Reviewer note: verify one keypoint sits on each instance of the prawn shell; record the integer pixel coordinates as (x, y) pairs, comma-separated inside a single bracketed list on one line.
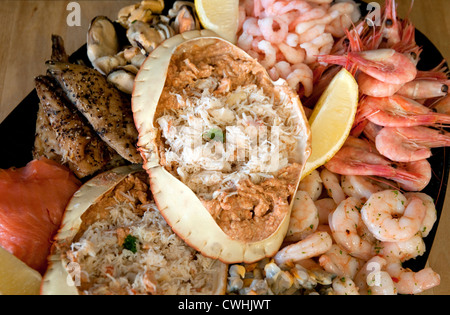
[(55, 280), (178, 204)]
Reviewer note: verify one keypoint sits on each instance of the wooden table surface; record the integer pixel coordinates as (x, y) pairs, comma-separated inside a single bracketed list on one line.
[(27, 27)]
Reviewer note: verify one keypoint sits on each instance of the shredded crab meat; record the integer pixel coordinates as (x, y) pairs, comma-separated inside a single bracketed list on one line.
[(161, 256), (216, 140)]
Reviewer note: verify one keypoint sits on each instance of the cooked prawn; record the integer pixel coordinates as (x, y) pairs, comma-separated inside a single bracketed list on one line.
[(361, 187), (304, 217), (423, 89), (312, 246), (392, 217), (344, 286), (404, 250), (312, 184), (385, 65), (407, 144), (430, 215), (372, 279), (325, 206), (337, 261), (349, 231), (301, 74), (409, 282), (413, 176), (399, 111), (331, 182), (370, 86)]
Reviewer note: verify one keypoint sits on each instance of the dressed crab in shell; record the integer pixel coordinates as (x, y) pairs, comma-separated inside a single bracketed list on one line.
[(231, 209), (145, 27)]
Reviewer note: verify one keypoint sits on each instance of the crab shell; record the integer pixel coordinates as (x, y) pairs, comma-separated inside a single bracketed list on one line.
[(178, 204), (60, 274)]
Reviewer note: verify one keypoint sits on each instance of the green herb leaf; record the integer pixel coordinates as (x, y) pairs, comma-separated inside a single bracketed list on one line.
[(214, 134), (130, 243)]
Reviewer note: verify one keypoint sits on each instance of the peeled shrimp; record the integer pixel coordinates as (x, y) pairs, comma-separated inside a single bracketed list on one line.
[(406, 144), (268, 26), (331, 182), (312, 246), (291, 54), (349, 231), (325, 206), (398, 111), (301, 74), (337, 261), (404, 250), (270, 53), (304, 217), (385, 65), (312, 184), (372, 279), (391, 217), (430, 215), (361, 187), (344, 286), (409, 282)]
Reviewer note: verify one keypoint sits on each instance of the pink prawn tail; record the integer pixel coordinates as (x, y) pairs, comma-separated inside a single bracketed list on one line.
[(336, 60)]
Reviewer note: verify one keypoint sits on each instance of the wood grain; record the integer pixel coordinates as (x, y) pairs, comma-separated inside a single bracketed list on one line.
[(26, 32)]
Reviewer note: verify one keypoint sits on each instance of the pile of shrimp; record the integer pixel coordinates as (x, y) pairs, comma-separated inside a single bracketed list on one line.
[(356, 219), (348, 235), (286, 36)]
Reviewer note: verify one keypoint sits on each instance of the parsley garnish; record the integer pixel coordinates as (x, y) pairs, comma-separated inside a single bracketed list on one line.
[(130, 243)]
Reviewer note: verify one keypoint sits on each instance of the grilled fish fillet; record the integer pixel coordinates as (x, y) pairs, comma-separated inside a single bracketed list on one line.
[(106, 109), (45, 143), (77, 144)]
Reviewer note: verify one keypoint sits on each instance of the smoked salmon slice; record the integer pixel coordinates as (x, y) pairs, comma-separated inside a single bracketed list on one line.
[(32, 202)]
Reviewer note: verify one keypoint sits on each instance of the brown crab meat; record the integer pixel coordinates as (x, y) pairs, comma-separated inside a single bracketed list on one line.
[(223, 144)]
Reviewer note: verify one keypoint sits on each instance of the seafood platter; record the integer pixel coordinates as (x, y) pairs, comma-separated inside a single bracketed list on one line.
[(176, 153)]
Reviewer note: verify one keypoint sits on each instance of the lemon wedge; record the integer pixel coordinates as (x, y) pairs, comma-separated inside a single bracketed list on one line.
[(16, 278), (332, 119), (219, 16)]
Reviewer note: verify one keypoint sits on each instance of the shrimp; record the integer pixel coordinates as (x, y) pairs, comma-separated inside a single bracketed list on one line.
[(270, 53), (391, 26), (291, 54), (312, 184), (413, 176), (407, 144), (325, 206), (391, 217), (314, 245), (399, 111), (403, 251), (331, 182), (373, 280), (430, 215), (370, 86), (349, 231), (337, 261), (304, 217), (344, 286), (409, 282), (273, 29), (423, 89), (385, 65), (361, 187), (301, 74)]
